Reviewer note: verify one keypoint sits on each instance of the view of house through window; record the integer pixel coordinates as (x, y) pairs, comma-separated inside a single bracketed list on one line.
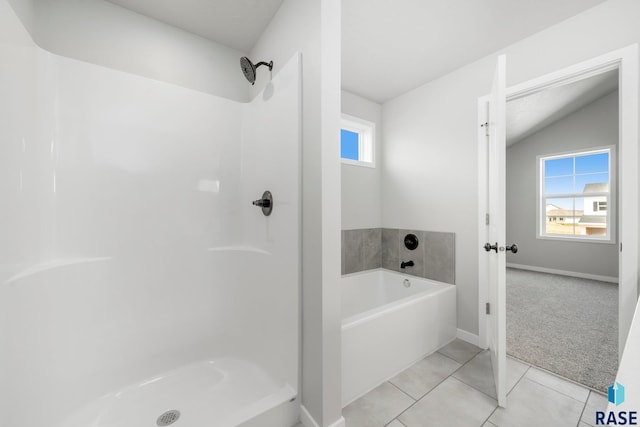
[(575, 194)]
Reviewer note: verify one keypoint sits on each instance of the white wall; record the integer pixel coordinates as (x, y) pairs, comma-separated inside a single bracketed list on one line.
[(123, 196), (106, 34), (594, 125), (361, 201), (430, 150), (312, 27)]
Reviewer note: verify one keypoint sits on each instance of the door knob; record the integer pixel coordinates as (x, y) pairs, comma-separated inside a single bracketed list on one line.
[(513, 248), (489, 247)]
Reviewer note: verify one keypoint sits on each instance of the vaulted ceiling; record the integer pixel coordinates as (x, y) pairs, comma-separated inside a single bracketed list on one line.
[(391, 47), (234, 23), (388, 47), (528, 115)]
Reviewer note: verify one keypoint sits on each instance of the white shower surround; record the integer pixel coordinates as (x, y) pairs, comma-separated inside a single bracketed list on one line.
[(388, 326), (131, 249)]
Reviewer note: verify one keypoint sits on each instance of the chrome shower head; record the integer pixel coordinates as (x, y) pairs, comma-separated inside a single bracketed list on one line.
[(249, 69)]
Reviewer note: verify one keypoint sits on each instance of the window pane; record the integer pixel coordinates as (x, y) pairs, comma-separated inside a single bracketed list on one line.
[(592, 163), (592, 183), (558, 185), (558, 167), (348, 144), (560, 216), (592, 222), (586, 177)]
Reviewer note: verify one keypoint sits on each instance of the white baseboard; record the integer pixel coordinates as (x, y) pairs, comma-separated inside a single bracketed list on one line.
[(564, 273), (307, 420), (468, 337)]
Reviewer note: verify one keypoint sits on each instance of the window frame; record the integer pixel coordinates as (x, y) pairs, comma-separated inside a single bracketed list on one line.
[(366, 131), (611, 236)]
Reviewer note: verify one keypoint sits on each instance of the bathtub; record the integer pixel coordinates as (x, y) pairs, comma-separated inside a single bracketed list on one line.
[(390, 321)]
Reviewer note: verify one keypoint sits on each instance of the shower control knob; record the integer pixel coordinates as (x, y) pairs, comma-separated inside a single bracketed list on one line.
[(263, 203), (266, 203)]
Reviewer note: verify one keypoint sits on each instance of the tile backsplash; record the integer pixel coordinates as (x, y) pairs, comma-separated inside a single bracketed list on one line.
[(370, 248), (361, 250)]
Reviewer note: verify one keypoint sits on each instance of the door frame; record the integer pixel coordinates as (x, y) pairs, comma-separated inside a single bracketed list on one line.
[(625, 60)]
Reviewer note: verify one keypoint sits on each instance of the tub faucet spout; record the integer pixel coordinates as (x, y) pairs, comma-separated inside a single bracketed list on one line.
[(406, 264)]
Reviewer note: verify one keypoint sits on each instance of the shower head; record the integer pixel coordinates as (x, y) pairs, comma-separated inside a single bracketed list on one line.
[(249, 69)]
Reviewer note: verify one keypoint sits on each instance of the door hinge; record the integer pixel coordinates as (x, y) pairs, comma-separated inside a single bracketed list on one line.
[(620, 246), (486, 219), (487, 308), (485, 125)]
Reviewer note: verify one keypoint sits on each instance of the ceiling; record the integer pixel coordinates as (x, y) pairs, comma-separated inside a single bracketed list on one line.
[(388, 47), (391, 47), (234, 23), (529, 114)]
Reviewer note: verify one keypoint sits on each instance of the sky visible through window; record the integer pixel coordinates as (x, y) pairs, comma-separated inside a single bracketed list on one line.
[(570, 175), (348, 144)]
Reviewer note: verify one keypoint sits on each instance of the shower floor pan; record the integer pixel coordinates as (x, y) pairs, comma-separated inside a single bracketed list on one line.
[(221, 392)]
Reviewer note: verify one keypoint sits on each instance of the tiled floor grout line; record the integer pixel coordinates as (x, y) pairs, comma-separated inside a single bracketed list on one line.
[(509, 392), (461, 364), (564, 394), (490, 415), (519, 379), (487, 421), (418, 400), (557, 375), (395, 419), (454, 372), (589, 389), (434, 387), (584, 408), (475, 388), (404, 392)]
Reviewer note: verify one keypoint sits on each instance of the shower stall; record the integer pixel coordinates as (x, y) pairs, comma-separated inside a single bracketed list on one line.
[(138, 283)]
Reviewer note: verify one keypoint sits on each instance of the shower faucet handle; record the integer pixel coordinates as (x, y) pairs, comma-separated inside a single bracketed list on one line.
[(266, 203), (263, 203)]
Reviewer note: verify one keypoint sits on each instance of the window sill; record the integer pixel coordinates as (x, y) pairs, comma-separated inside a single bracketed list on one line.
[(358, 163), (577, 239)]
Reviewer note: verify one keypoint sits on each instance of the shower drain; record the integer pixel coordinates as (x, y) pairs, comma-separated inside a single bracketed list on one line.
[(168, 418)]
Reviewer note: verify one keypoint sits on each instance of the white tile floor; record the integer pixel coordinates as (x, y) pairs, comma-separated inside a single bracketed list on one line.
[(454, 387)]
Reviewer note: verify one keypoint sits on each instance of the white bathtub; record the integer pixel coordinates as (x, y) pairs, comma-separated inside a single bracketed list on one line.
[(387, 326)]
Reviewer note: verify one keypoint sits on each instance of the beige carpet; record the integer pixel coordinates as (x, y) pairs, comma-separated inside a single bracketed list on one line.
[(565, 325)]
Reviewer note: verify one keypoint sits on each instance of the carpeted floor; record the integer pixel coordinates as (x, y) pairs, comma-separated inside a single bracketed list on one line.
[(565, 325)]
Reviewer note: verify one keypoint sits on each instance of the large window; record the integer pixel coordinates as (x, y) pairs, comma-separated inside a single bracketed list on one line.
[(576, 195), (357, 141)]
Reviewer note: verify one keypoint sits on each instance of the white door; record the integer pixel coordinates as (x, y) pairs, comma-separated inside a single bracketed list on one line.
[(495, 231)]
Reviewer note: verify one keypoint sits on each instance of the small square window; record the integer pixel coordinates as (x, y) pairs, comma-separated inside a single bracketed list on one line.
[(357, 141), (349, 144)]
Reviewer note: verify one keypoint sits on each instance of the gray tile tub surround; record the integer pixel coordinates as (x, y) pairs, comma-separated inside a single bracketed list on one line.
[(390, 249), (361, 250), (434, 258)]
